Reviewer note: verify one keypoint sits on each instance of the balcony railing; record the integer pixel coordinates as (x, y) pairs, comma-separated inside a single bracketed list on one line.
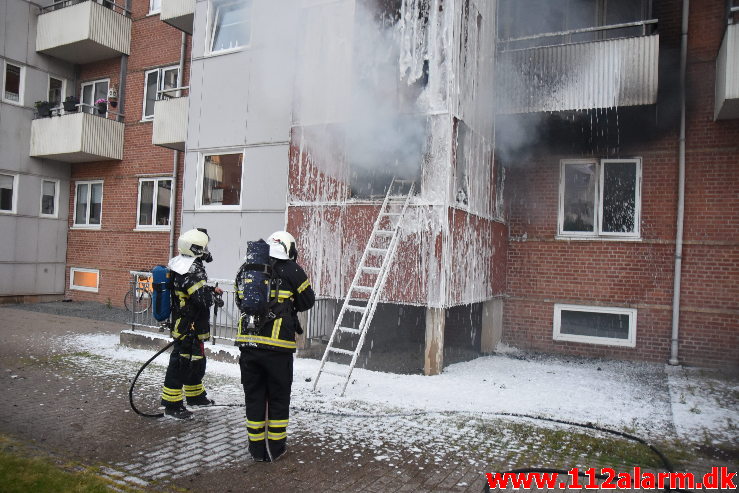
[(559, 75), (178, 13), (727, 71), (84, 31), (78, 137), (170, 118)]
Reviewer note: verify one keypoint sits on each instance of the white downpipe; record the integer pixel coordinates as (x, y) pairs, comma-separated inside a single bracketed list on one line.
[(680, 191)]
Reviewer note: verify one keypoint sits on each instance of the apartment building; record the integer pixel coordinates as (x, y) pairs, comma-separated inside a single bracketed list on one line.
[(33, 192), (556, 208), (589, 131), (116, 192)]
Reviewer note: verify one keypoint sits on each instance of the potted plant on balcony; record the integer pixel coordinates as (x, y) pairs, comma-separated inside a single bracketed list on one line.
[(70, 104), (102, 106), (43, 108)]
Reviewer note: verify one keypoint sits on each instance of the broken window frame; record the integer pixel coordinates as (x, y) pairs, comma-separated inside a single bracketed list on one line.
[(13, 193), (558, 335), (11, 97), (598, 201)]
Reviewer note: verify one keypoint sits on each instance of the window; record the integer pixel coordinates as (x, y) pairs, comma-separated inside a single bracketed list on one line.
[(221, 184), (91, 92), (155, 201), (56, 91), (84, 279), (49, 198), (595, 325), (155, 6), (13, 83), (156, 80), (600, 198), (8, 195), (231, 25), (88, 204)]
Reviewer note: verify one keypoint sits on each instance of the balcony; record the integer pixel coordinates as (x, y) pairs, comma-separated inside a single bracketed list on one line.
[(178, 13), (83, 31), (603, 73), (78, 137), (170, 119), (727, 75)]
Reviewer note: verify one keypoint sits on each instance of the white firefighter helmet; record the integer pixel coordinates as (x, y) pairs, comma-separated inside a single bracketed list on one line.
[(282, 246), (193, 243)]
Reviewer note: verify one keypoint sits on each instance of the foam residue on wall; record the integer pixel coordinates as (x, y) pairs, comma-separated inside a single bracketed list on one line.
[(387, 114)]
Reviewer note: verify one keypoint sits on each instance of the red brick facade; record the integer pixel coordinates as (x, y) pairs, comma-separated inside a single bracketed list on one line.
[(116, 248), (544, 270)]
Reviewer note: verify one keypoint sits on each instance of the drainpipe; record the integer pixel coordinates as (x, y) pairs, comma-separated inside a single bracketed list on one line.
[(123, 75), (680, 191), (176, 158)]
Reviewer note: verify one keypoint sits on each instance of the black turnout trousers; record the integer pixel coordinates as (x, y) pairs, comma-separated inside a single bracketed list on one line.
[(267, 377)]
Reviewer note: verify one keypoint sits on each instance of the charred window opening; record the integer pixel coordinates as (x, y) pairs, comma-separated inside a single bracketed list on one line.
[(378, 152), (461, 189), (600, 198), (522, 18)]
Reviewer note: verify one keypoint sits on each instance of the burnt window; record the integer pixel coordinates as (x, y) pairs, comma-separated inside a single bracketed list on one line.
[(600, 198)]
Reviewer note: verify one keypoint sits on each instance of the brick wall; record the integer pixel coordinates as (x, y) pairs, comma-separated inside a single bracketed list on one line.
[(117, 248), (543, 270)]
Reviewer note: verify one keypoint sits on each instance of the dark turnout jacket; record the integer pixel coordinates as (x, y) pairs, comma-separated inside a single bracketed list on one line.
[(194, 299), (290, 293)]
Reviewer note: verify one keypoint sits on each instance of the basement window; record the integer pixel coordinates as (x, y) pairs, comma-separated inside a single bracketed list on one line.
[(155, 203), (84, 279), (600, 198), (595, 325), (231, 25)]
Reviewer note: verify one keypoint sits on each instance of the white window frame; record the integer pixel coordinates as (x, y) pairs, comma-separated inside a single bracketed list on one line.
[(213, 6), (603, 341), (201, 175), (152, 10), (21, 86), (154, 227), (92, 83), (64, 87), (72, 270), (87, 224), (160, 80), (56, 199), (14, 205), (598, 232)]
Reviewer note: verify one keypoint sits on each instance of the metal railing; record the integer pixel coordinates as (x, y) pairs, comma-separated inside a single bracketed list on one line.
[(61, 4), (86, 108), (584, 30), (224, 327), (172, 93)]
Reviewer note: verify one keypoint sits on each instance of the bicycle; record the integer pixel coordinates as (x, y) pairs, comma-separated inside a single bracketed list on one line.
[(139, 296)]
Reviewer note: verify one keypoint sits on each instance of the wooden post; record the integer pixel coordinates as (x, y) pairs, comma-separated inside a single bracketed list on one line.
[(434, 354), (492, 325)]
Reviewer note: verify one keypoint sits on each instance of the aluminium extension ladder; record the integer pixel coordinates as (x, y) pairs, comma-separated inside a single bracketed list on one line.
[(386, 229)]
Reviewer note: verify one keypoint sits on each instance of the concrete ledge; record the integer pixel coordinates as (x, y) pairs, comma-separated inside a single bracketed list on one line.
[(16, 299), (141, 339)]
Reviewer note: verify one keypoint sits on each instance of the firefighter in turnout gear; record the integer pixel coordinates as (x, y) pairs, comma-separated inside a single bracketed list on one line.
[(267, 345), (191, 327)]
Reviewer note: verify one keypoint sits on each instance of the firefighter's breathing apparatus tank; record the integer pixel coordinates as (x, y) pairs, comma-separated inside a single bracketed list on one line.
[(161, 300)]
